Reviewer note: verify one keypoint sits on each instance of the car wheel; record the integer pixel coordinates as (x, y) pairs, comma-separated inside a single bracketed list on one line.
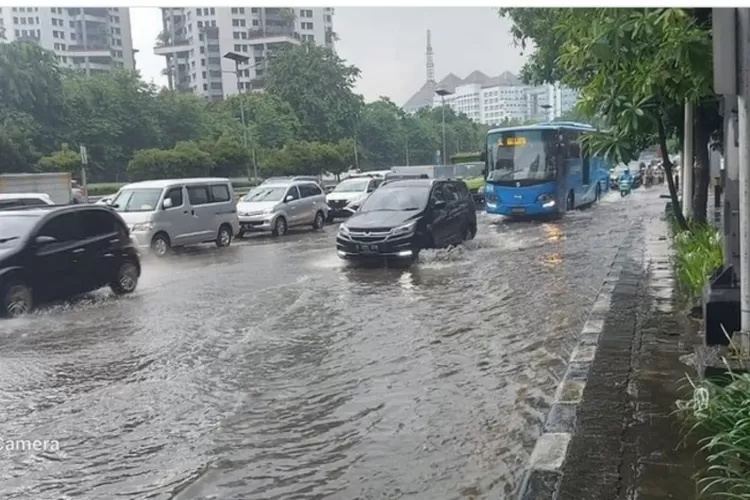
[(319, 221), (160, 245), (224, 238), (280, 228), (17, 300), (127, 279)]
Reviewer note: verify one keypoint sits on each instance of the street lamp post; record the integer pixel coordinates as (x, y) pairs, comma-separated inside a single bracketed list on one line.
[(442, 93), (240, 59)]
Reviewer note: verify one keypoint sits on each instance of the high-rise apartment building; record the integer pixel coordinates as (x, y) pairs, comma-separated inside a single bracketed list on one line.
[(85, 38), (194, 41)]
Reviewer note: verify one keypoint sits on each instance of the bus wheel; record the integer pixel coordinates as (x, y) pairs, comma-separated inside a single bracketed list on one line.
[(571, 201)]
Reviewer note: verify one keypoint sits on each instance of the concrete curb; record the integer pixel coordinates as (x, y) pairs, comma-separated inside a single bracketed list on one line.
[(544, 469)]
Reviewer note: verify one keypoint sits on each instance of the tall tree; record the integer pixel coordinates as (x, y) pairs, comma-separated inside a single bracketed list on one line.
[(633, 67), (319, 87)]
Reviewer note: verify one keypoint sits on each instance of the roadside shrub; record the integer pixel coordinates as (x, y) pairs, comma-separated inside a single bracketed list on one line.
[(720, 417), (698, 253)]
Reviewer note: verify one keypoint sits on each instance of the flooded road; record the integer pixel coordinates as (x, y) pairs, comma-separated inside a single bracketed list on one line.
[(272, 370)]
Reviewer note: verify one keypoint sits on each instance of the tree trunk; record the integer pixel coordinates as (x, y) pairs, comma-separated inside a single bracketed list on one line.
[(702, 172), (676, 207)]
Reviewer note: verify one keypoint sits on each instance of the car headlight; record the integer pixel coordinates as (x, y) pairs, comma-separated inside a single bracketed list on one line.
[(143, 226), (491, 197), (344, 230), (405, 229), (267, 211)]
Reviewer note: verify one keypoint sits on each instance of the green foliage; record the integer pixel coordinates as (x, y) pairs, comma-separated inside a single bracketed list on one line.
[(318, 85), (698, 253), (64, 160), (308, 121), (719, 416)]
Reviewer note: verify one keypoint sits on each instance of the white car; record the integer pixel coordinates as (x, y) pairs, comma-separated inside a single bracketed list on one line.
[(14, 200), (349, 194)]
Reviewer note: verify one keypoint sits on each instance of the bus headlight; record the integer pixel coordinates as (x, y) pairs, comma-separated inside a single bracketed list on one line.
[(491, 197), (547, 200)]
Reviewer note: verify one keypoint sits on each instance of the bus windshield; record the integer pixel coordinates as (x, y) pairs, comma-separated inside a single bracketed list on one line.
[(521, 155)]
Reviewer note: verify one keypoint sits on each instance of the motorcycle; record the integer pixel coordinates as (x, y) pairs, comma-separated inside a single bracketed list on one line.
[(625, 187)]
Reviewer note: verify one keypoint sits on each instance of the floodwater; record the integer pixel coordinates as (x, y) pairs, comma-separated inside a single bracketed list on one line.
[(272, 370)]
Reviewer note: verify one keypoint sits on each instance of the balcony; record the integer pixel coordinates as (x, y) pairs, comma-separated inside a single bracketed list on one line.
[(273, 34), (166, 49), (91, 50)]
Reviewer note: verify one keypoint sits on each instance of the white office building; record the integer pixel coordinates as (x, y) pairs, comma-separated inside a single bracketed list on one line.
[(194, 41), (88, 39), (494, 100)]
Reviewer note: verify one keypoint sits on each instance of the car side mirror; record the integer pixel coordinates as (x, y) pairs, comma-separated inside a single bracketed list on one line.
[(483, 156), (371, 189), (44, 240), (288, 198), (167, 203), (439, 204)]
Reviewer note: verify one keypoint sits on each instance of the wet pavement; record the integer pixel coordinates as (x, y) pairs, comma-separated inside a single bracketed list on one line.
[(272, 370)]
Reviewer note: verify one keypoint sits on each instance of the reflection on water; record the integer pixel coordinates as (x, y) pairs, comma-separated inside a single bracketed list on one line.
[(276, 371)]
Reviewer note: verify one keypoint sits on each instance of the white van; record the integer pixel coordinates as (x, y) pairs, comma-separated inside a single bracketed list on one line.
[(170, 213)]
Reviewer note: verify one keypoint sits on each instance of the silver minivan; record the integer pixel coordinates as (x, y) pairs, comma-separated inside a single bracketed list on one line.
[(279, 205), (164, 214)]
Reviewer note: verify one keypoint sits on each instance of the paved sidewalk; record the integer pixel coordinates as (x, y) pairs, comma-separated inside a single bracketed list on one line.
[(627, 441)]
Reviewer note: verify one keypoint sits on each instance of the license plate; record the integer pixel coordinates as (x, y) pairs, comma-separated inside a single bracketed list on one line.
[(518, 210), (368, 248)]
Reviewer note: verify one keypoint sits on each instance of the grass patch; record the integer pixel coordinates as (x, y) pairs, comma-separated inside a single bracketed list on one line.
[(720, 418), (698, 252)]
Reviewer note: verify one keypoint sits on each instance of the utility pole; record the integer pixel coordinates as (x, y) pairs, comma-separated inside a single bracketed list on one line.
[(687, 163), (84, 161), (743, 108)]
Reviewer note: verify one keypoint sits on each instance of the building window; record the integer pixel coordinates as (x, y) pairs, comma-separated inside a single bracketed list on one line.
[(213, 11), (255, 10), (255, 22), (23, 20), (18, 34), (199, 12), (205, 86), (244, 48), (203, 62), (328, 18), (72, 36), (242, 10), (234, 10), (237, 48), (205, 12), (236, 35), (203, 74), (244, 35), (213, 24), (202, 49), (307, 26), (235, 22), (15, 20), (200, 24)]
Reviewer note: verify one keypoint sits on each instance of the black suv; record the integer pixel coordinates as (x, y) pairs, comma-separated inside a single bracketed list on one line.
[(404, 216), (57, 252)]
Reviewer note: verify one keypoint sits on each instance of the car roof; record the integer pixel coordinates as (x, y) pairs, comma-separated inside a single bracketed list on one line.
[(16, 196), (410, 183), (42, 210), (163, 183)]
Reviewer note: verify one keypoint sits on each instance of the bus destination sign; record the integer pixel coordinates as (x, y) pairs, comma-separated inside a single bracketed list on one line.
[(512, 141)]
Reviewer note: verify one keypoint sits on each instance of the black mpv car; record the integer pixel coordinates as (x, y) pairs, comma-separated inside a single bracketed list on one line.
[(404, 216), (57, 252)]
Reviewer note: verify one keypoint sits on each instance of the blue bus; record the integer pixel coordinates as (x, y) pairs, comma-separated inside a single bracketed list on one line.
[(541, 169)]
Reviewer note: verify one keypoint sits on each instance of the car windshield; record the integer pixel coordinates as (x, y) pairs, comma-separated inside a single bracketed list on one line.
[(351, 186), (521, 155), (14, 227), (267, 193), (397, 198), (137, 200)]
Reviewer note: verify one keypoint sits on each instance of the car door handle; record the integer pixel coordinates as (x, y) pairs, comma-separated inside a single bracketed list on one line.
[(78, 250)]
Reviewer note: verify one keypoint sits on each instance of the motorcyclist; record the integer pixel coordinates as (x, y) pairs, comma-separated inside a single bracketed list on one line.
[(650, 175), (626, 176)]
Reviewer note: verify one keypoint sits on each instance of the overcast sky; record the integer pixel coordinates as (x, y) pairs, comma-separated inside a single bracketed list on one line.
[(387, 44)]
